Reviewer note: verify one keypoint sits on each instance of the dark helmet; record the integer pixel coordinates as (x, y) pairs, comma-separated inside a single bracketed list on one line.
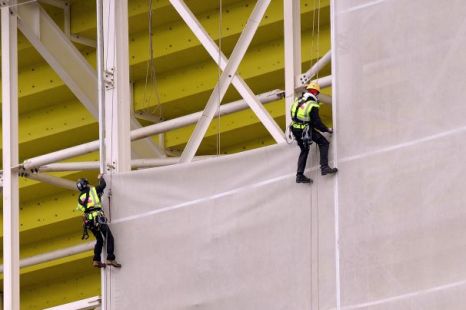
[(81, 184)]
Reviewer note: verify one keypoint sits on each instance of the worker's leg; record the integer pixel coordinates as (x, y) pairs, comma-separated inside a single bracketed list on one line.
[(106, 232), (110, 242), (323, 144), (297, 133), (323, 149), (99, 244)]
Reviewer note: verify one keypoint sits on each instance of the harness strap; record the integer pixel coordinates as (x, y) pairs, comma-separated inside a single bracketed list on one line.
[(295, 116)]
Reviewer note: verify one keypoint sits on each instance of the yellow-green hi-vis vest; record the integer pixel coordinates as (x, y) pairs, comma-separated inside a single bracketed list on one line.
[(303, 116), (93, 203)]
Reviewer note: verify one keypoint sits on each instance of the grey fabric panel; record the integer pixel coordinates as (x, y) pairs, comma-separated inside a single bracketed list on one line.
[(250, 239), (400, 75)]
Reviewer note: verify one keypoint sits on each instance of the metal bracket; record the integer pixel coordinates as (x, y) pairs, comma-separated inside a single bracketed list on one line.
[(303, 79), (108, 79), (111, 166)]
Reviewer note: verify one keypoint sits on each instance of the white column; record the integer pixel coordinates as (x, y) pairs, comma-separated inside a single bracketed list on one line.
[(292, 32), (117, 86), (10, 158), (225, 80)]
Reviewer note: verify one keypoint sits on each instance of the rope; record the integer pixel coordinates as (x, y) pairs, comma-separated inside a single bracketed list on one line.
[(151, 78), (315, 41), (318, 35), (219, 72), (313, 32)]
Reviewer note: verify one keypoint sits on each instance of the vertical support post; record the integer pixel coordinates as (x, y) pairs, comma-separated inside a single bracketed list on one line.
[(336, 198), (10, 157), (117, 85), (102, 123), (100, 84), (292, 32), (114, 81)]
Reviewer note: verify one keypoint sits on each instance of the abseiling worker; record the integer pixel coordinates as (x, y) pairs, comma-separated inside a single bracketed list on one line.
[(305, 126), (94, 219)]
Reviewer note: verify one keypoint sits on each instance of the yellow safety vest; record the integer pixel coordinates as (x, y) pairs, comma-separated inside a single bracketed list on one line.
[(303, 115), (93, 203)]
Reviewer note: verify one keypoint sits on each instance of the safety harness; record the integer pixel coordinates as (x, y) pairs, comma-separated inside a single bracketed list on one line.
[(93, 217), (306, 135)]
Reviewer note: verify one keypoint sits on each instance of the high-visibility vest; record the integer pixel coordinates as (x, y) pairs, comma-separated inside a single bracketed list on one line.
[(93, 207), (302, 116)]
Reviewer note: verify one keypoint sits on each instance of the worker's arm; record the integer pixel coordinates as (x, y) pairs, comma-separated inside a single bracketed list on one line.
[(101, 186), (316, 122)]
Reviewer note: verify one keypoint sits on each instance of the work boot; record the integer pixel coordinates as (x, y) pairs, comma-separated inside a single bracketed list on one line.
[(113, 263), (301, 178), (327, 170), (98, 264)]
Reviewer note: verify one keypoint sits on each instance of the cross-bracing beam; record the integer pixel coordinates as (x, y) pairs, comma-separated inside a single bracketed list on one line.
[(224, 81), (221, 60), (159, 128), (60, 53)]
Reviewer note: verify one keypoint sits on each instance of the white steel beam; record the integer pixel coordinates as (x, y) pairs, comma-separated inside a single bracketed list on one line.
[(309, 74), (94, 165), (60, 53), (146, 131), (50, 179), (155, 129), (292, 33), (47, 257), (100, 86), (244, 90), (225, 79), (117, 84), (10, 157), (325, 98), (84, 304)]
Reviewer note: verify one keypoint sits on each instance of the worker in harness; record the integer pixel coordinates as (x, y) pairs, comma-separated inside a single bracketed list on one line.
[(305, 127), (94, 219)]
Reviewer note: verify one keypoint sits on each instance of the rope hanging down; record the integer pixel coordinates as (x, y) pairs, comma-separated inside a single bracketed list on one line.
[(219, 71), (315, 34), (151, 85)]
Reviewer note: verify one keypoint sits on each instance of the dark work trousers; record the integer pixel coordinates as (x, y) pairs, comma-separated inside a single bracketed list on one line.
[(101, 233), (318, 138)]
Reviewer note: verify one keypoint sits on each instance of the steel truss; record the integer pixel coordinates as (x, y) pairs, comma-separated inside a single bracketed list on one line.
[(106, 94)]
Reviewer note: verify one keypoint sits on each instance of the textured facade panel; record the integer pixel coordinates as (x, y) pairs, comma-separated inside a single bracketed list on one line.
[(234, 233), (401, 133)]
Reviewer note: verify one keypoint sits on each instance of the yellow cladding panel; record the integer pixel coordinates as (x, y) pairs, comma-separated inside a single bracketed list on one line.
[(63, 283)]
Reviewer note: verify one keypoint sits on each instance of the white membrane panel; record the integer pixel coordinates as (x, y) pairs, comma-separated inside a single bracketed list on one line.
[(234, 232), (400, 69)]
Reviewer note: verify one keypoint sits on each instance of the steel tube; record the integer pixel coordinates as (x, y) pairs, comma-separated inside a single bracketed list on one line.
[(158, 128), (43, 258)]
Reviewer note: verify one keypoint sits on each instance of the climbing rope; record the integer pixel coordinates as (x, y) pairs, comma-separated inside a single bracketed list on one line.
[(151, 85), (315, 34), (318, 35), (219, 73)]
